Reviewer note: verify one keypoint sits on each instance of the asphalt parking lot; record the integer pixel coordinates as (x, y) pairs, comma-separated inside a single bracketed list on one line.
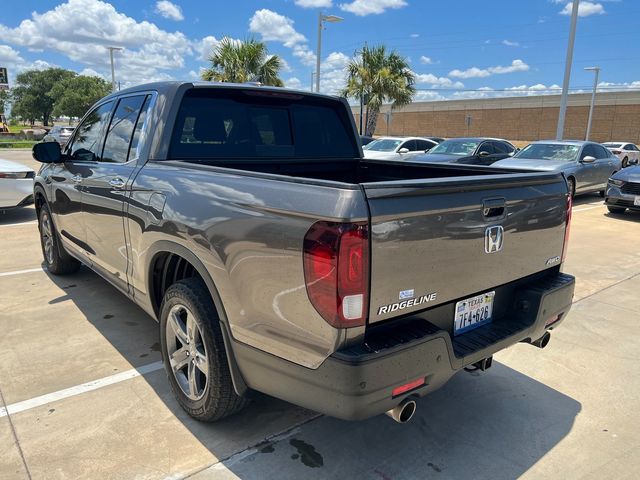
[(84, 394)]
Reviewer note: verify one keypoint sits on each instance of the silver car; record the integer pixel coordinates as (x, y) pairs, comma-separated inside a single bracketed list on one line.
[(60, 134), (623, 190), (586, 165)]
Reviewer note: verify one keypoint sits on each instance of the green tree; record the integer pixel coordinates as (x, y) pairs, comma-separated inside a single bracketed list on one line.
[(239, 62), (4, 100), (30, 95), (74, 95), (378, 76)]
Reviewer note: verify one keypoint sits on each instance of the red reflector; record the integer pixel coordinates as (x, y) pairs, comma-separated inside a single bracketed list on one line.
[(407, 386), (552, 320), (567, 227)]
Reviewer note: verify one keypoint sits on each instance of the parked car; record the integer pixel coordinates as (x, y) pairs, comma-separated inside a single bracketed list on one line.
[(436, 139), (627, 152), (276, 259), (60, 134), (16, 185), (397, 148), (586, 165), (365, 140), (623, 190), (471, 151)]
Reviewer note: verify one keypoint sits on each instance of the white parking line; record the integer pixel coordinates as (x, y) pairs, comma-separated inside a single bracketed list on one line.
[(78, 389), (587, 208), (20, 272), (18, 224)]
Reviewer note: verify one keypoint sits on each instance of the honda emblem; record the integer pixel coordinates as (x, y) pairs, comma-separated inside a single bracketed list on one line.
[(493, 239)]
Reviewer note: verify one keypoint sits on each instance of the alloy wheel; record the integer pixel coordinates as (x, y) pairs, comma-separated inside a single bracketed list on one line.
[(46, 232), (187, 352)]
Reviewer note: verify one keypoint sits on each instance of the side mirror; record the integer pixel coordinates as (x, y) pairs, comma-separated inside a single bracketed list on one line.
[(483, 154), (511, 154), (588, 159), (403, 150), (47, 152)]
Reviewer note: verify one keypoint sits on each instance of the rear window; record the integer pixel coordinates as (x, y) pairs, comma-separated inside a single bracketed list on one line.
[(249, 124)]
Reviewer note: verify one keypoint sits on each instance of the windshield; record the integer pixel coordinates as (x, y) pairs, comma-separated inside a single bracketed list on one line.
[(383, 145), (549, 151), (612, 145), (455, 147)]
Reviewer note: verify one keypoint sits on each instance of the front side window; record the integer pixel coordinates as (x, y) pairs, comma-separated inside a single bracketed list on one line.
[(120, 132), (383, 145), (87, 141)]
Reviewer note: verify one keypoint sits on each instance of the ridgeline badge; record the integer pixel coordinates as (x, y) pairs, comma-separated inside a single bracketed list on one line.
[(393, 307)]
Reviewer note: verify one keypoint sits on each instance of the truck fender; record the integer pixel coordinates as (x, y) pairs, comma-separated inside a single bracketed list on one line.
[(165, 246)]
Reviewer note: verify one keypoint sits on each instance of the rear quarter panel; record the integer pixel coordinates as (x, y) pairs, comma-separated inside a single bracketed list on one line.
[(248, 232)]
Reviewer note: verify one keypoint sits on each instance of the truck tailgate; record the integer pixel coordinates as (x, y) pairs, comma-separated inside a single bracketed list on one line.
[(436, 241)]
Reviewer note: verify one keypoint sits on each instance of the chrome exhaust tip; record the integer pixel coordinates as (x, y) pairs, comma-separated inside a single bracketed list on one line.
[(403, 412), (543, 341)]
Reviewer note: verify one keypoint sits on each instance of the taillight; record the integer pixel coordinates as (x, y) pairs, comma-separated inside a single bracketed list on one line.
[(336, 271), (567, 226), (617, 152), (16, 174)]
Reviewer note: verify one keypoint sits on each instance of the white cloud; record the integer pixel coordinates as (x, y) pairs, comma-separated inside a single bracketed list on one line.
[(426, 60), (335, 60), (584, 9), (81, 30), (434, 81), (205, 46), (475, 72), (369, 7), (169, 10), (275, 27), (509, 43), (314, 3), (272, 26), (90, 72), (293, 82), (9, 56)]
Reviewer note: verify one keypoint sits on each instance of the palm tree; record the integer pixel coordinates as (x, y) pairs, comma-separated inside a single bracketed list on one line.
[(378, 76), (239, 62)]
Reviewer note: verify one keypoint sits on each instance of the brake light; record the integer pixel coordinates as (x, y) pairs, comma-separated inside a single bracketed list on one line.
[(336, 271), (567, 226), (617, 152)]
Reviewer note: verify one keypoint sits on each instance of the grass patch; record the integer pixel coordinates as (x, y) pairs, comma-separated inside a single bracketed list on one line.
[(17, 144)]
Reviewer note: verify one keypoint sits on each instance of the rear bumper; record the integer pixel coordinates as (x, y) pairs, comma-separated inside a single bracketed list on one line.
[(15, 192), (356, 383)]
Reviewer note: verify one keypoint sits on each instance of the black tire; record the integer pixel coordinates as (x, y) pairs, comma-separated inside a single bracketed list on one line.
[(56, 258), (218, 399), (601, 193), (571, 183), (616, 209), (625, 162)]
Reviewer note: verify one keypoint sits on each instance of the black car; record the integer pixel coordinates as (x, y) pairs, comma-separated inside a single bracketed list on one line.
[(474, 151)]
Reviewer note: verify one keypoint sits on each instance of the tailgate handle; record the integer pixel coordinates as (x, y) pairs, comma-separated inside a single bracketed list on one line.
[(493, 207)]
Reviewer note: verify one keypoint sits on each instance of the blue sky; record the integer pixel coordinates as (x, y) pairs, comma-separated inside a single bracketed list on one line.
[(458, 48)]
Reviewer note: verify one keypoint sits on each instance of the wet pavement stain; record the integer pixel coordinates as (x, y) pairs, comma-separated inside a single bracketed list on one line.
[(308, 454), (108, 316), (131, 324), (155, 347), (434, 466), (142, 355), (69, 286), (266, 447), (295, 456)]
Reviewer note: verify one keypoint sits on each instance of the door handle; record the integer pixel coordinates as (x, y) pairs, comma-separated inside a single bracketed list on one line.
[(77, 178), (116, 182)]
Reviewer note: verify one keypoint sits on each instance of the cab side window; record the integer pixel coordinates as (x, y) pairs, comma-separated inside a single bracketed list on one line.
[(88, 138), (486, 147), (588, 151), (121, 128)]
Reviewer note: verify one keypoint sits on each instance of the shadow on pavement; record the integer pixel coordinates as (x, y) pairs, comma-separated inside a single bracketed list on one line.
[(491, 425), (629, 216), (494, 425), (17, 215)]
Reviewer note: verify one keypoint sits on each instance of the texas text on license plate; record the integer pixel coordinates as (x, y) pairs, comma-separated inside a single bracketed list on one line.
[(473, 312)]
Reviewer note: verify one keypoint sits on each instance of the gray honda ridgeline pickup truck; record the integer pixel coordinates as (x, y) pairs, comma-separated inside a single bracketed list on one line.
[(276, 259)]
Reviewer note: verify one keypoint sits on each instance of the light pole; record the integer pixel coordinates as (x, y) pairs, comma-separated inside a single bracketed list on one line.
[(321, 19), (593, 98), (113, 70), (567, 70)]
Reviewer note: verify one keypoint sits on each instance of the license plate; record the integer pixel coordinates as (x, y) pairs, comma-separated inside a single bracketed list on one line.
[(473, 312), (636, 201)]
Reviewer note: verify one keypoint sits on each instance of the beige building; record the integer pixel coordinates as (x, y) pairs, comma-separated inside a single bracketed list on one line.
[(616, 117)]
